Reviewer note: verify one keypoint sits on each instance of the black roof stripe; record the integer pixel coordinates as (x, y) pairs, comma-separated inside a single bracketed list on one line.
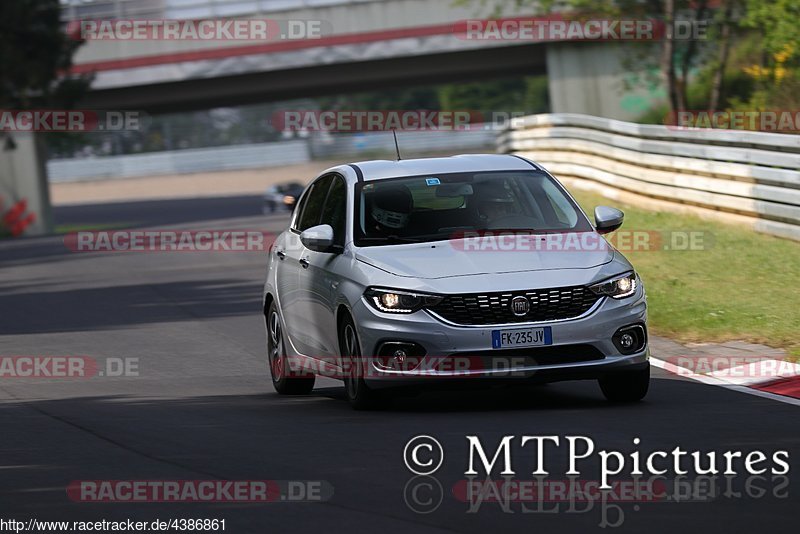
[(359, 174)]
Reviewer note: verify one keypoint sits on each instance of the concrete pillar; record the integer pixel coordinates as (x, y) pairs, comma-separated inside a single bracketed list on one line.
[(23, 175), (589, 77)]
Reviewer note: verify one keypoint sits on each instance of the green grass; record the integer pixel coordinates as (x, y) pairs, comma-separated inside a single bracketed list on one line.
[(744, 286)]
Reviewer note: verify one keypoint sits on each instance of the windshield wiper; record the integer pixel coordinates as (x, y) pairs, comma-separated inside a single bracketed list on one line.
[(495, 231)]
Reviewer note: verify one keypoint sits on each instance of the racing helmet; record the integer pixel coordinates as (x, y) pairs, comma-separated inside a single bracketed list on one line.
[(392, 206)]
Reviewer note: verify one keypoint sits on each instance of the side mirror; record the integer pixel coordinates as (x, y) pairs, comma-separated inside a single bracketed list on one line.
[(318, 238), (607, 219)]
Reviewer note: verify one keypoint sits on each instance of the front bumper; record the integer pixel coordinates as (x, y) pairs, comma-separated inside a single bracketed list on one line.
[(445, 344)]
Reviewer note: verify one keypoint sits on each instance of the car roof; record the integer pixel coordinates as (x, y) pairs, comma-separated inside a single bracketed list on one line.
[(383, 169)]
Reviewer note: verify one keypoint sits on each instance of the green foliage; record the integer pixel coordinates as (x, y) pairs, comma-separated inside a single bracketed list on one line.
[(528, 95), (34, 51), (34, 55), (421, 97), (716, 293), (776, 21)]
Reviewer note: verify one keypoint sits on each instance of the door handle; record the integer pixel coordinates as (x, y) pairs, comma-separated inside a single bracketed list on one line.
[(281, 254), (304, 263)]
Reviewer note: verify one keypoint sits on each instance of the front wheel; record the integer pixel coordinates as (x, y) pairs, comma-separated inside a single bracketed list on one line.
[(284, 380), (360, 396), (626, 386)]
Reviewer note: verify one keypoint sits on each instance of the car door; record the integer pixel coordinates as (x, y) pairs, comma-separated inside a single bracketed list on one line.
[(293, 289), (319, 281)]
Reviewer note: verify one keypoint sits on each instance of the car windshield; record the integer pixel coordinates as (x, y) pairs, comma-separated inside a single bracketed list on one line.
[(438, 207)]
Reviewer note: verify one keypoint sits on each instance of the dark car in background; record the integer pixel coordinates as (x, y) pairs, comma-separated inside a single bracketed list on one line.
[(282, 197)]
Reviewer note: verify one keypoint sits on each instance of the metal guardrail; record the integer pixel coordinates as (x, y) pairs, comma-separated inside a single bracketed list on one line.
[(367, 145), (752, 177)]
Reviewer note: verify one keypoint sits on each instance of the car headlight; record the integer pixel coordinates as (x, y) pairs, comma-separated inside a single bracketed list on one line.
[(396, 301), (618, 287)]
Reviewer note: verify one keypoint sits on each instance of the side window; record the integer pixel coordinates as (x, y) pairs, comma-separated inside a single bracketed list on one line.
[(335, 210), (312, 205), (298, 211)]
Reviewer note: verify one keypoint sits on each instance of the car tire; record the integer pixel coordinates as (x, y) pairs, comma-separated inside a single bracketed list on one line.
[(358, 393), (284, 380), (626, 386)]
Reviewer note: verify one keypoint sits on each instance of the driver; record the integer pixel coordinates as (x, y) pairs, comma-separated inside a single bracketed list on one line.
[(391, 208), (494, 201)]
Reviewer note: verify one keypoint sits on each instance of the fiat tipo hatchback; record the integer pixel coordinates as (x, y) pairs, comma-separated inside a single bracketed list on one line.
[(472, 269)]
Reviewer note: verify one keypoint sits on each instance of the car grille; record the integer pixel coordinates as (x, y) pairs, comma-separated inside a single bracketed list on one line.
[(495, 308)]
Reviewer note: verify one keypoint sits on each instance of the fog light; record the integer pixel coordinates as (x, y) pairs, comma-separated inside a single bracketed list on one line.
[(630, 339), (398, 356), (626, 341)]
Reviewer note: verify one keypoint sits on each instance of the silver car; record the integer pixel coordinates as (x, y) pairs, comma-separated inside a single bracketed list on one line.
[(465, 270)]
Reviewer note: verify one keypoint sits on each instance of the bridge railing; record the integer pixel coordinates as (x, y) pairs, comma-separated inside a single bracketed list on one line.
[(184, 9), (739, 176)]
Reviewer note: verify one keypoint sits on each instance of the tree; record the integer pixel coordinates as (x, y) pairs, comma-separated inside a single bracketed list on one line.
[(678, 56), (35, 55), (726, 24), (777, 72)]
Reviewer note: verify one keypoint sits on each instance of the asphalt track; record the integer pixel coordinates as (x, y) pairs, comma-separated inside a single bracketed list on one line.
[(202, 407)]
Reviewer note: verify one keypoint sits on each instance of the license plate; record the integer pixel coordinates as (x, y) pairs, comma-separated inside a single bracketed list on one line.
[(526, 337)]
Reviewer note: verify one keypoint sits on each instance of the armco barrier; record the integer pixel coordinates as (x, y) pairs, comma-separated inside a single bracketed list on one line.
[(747, 177)]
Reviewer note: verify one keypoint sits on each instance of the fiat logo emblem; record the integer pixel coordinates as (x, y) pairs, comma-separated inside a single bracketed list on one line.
[(520, 306)]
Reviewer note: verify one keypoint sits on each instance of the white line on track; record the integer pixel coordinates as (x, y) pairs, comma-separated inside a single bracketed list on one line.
[(710, 380)]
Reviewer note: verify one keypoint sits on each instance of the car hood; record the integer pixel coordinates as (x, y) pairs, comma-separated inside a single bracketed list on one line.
[(445, 259)]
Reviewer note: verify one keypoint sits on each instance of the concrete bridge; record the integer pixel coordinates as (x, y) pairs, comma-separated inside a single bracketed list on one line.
[(363, 45)]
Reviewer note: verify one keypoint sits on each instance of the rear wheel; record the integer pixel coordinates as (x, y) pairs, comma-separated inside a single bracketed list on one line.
[(626, 386), (360, 396), (284, 380)]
